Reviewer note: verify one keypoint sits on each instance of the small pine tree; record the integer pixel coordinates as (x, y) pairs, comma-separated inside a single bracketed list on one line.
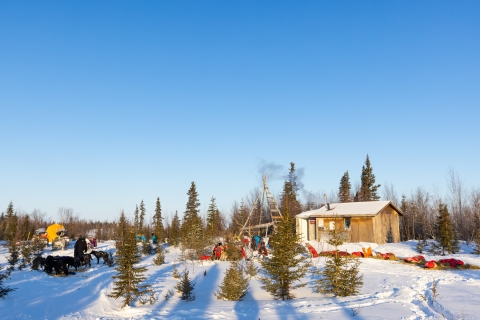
[(128, 279), (345, 188), (158, 229), (26, 252), (185, 287), (175, 230), (192, 226), (38, 245), (213, 217), (445, 230), (340, 276), (251, 269), (141, 218), (175, 272), (146, 248), (4, 290), (477, 243), (284, 268), (160, 256), (234, 285), (420, 246), (390, 238), (11, 236)]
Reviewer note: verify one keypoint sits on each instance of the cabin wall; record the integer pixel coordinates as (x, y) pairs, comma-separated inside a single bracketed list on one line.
[(386, 219), (362, 229)]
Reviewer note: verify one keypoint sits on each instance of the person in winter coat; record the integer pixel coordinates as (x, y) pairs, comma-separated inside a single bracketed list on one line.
[(154, 239), (312, 251), (262, 250), (143, 238), (256, 242), (218, 251)]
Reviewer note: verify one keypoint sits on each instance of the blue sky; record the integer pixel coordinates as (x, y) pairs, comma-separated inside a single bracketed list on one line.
[(104, 104)]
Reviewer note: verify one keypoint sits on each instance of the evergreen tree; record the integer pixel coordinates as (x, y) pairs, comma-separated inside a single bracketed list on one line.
[(345, 188), (185, 287), (445, 230), (235, 283), (141, 219), (122, 227), (158, 230), (390, 238), (368, 188), (136, 221), (11, 237), (284, 268), (239, 217), (289, 195), (26, 251), (160, 256), (477, 243), (175, 230), (192, 226), (340, 276), (128, 278), (213, 218), (4, 290)]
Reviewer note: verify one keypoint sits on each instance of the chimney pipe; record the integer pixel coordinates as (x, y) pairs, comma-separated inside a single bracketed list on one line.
[(328, 206)]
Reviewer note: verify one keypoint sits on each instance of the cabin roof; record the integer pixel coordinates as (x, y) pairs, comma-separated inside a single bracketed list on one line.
[(350, 209)]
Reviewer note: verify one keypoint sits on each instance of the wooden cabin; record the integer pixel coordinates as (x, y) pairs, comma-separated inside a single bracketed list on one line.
[(369, 221)]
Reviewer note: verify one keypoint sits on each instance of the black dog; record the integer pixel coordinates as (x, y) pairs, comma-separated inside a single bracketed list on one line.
[(69, 261), (38, 262), (57, 264), (83, 260), (100, 254)]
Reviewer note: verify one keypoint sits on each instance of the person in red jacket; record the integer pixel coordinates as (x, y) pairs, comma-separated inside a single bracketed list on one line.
[(312, 251)]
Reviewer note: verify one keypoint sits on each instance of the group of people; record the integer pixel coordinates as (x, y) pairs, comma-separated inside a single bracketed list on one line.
[(141, 237)]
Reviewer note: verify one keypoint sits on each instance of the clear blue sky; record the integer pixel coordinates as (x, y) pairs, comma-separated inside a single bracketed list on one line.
[(106, 103)]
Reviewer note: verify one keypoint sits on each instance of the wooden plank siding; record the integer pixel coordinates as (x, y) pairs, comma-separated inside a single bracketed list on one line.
[(386, 219)]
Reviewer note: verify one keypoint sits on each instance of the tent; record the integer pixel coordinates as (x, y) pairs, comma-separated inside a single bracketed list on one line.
[(52, 231)]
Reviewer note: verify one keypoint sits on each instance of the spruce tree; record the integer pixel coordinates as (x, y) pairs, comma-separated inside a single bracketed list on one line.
[(136, 220), (368, 188), (158, 229), (185, 287), (345, 188), (477, 243), (445, 230), (141, 219), (11, 237), (213, 217), (192, 225), (340, 276), (284, 268), (289, 195), (4, 290), (160, 256), (127, 284), (235, 283), (175, 230)]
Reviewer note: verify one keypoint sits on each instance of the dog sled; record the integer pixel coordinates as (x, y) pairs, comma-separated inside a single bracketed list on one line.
[(57, 235)]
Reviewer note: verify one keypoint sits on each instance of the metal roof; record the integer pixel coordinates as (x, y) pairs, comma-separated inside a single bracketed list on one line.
[(350, 209)]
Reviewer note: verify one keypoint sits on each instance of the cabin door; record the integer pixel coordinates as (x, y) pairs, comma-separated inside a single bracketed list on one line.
[(311, 229)]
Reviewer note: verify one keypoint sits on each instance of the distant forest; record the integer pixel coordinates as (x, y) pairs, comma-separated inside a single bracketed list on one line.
[(421, 209)]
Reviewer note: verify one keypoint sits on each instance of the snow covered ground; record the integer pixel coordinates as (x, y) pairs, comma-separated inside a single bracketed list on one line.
[(392, 290)]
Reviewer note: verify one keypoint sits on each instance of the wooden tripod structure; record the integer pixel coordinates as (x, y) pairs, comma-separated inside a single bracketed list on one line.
[(275, 214)]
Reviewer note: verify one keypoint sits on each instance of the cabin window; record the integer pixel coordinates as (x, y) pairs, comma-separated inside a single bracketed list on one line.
[(347, 223), (332, 225)]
